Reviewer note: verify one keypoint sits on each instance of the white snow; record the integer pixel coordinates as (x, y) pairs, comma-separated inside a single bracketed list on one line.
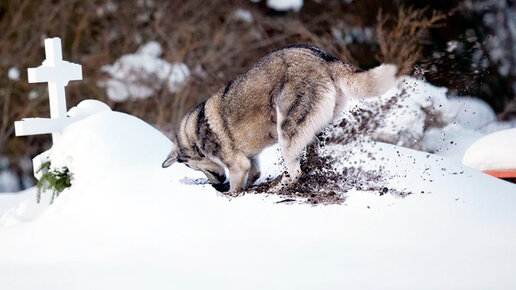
[(128, 223), (87, 108), (17, 208), (285, 5), (425, 118), (404, 124), (470, 113), (13, 74), (496, 151), (450, 141), (142, 74), (243, 15)]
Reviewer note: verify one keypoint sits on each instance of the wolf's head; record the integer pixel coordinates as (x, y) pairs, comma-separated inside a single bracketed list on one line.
[(187, 152)]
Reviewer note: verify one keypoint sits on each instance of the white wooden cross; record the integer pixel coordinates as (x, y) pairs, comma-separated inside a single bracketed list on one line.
[(57, 73)]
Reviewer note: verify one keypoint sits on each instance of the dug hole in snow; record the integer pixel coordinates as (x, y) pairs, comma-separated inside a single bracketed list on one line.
[(126, 222)]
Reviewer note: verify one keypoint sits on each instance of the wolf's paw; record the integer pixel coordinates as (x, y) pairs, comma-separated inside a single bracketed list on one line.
[(282, 186)]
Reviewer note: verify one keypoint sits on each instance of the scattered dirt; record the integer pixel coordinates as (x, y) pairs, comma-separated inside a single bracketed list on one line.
[(322, 183)]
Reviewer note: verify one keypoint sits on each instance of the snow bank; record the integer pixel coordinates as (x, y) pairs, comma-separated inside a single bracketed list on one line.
[(496, 151), (469, 120), (127, 223), (450, 141), (143, 74), (470, 113)]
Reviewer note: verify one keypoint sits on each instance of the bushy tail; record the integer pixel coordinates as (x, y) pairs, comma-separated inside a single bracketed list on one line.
[(374, 82)]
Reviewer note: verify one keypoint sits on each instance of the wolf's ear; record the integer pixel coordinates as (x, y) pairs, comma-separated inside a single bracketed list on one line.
[(171, 158)]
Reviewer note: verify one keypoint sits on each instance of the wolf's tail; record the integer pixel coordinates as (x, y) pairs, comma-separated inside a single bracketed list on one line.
[(374, 82)]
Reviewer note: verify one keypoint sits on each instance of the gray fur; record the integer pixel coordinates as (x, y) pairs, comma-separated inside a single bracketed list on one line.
[(288, 96)]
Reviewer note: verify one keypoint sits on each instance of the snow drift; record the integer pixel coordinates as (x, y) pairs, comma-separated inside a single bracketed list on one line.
[(125, 222)]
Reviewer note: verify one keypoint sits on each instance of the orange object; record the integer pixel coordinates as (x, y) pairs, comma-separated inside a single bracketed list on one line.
[(509, 175)]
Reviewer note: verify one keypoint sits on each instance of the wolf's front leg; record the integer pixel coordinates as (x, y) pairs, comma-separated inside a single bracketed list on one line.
[(238, 171), (254, 172)]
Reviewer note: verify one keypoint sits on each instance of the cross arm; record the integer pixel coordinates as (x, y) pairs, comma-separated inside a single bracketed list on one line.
[(62, 73), (35, 126)]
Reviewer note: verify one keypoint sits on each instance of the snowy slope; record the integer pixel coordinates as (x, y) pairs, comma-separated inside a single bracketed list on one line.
[(130, 224)]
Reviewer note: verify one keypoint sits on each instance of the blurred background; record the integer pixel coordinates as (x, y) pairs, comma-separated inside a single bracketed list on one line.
[(157, 59)]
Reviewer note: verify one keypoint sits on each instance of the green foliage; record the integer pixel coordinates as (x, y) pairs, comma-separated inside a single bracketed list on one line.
[(55, 180)]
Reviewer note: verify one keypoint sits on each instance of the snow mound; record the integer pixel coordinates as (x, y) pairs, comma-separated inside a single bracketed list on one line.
[(493, 152), (87, 108), (470, 113), (143, 74), (126, 222), (468, 119), (450, 141), (91, 148), (404, 125)]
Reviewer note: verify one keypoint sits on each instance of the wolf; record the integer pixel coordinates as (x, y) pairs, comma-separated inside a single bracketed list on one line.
[(286, 97)]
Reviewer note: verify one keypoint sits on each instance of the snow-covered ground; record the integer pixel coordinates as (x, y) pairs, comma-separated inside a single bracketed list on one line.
[(128, 223)]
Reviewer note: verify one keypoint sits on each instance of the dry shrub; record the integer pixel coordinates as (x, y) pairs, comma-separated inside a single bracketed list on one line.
[(401, 37)]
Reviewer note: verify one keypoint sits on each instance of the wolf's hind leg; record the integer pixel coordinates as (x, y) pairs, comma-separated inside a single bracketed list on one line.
[(238, 171), (309, 111)]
